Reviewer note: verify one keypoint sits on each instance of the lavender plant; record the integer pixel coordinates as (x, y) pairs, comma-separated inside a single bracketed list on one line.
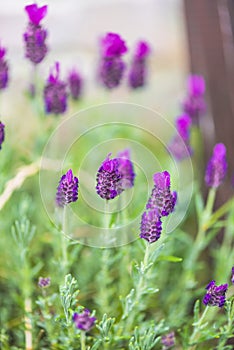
[(57, 291)]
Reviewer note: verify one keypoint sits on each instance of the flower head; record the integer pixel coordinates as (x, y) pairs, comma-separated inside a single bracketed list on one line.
[(109, 179), (162, 199), (232, 277), (217, 166), (75, 84), (35, 36), (44, 282), (84, 321), (194, 104), (112, 45), (138, 69), (180, 144), (168, 340), (55, 95), (126, 169), (215, 295), (111, 67), (151, 226), (196, 85), (3, 69), (67, 190), (36, 13), (2, 133)]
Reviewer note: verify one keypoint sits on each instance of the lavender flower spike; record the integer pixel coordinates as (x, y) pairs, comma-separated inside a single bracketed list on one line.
[(232, 277), (44, 282), (55, 95), (196, 85), (109, 179), (179, 146), (216, 167), (215, 295), (111, 66), (75, 84), (162, 199), (126, 169), (138, 70), (151, 226), (35, 36), (2, 133), (3, 69), (168, 340), (83, 321), (67, 190)]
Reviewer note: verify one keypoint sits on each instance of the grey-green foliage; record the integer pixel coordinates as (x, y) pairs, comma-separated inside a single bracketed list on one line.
[(23, 233), (68, 295), (105, 327), (146, 339)]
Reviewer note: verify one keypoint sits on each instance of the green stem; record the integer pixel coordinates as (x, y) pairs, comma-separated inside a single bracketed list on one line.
[(139, 289), (210, 203), (82, 340), (64, 240), (219, 213), (197, 327)]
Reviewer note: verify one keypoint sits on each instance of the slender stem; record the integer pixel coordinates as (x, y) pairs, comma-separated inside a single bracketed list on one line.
[(28, 324), (64, 239), (82, 340), (197, 327), (139, 288), (219, 212), (210, 202)]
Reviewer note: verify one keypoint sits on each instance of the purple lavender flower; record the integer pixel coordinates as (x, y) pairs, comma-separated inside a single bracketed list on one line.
[(138, 70), (151, 226), (180, 144), (67, 190), (168, 340), (2, 133), (83, 321), (194, 104), (215, 295), (232, 277), (109, 179), (75, 84), (162, 199), (55, 95), (112, 67), (3, 69), (44, 282), (35, 35), (126, 169), (216, 167)]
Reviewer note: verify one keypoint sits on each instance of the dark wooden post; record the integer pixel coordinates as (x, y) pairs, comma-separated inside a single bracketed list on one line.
[(210, 32)]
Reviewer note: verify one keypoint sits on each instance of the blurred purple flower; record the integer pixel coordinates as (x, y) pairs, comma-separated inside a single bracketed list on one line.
[(44, 282), (194, 104), (109, 179), (232, 277), (162, 199), (75, 84), (215, 295), (138, 69), (84, 321), (168, 340), (180, 144), (216, 167), (35, 35), (111, 67), (151, 226), (55, 95), (67, 190), (126, 169), (4, 77), (2, 133)]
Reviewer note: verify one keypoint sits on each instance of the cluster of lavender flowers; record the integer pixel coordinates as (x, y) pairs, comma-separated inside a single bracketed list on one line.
[(193, 107), (115, 175), (161, 203), (112, 66)]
